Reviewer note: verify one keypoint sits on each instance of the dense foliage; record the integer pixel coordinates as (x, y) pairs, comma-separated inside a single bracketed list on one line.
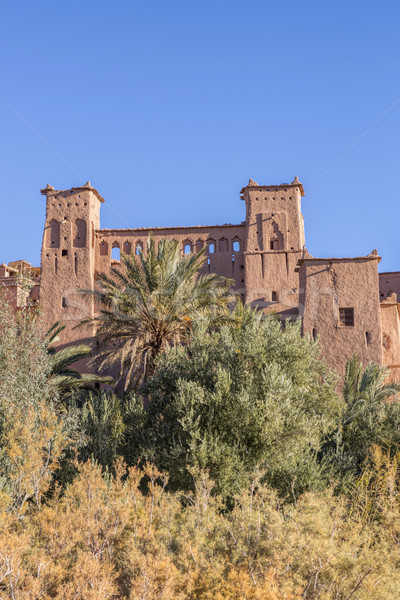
[(246, 398), (104, 539), (35, 429), (237, 470)]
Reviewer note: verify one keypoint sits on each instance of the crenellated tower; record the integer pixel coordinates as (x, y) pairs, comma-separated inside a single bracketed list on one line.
[(274, 241), (68, 256)]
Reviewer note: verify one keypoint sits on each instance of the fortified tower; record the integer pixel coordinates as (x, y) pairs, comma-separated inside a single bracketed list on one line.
[(274, 241), (68, 256)]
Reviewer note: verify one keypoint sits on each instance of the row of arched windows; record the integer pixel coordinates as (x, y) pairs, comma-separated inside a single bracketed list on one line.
[(116, 249), (222, 245), (188, 246)]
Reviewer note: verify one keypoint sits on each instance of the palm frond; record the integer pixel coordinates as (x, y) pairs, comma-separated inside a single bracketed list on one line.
[(150, 303)]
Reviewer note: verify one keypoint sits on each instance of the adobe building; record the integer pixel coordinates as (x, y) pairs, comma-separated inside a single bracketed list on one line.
[(344, 302), (20, 283)]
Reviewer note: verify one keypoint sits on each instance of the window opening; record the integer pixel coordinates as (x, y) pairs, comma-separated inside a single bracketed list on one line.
[(346, 317), (274, 245), (116, 254)]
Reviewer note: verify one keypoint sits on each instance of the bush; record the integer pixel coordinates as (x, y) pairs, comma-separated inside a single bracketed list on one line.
[(247, 398)]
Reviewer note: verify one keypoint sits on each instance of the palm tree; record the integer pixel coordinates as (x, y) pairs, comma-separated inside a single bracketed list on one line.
[(61, 376), (365, 389), (370, 415), (151, 304)]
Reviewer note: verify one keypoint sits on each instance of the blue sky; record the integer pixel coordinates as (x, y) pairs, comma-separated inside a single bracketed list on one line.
[(169, 107)]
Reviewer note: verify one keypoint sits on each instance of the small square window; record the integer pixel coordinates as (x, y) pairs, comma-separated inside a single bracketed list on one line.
[(274, 245), (346, 317)]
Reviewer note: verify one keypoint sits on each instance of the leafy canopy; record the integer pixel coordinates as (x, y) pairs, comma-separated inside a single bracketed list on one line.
[(244, 398)]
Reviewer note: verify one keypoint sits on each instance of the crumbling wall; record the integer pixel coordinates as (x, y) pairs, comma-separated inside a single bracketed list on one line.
[(389, 283)]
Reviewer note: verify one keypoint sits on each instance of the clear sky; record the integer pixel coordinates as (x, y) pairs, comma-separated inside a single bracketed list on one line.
[(169, 107)]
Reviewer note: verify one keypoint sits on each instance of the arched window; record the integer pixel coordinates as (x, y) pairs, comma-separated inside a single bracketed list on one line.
[(127, 247), (236, 246), (211, 246), (138, 248), (187, 247), (115, 253)]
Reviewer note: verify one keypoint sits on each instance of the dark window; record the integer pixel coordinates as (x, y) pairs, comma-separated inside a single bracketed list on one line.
[(64, 303), (346, 317), (274, 296), (274, 244), (64, 252), (368, 337)]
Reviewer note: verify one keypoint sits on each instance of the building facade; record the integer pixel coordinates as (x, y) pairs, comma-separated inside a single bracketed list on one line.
[(344, 302)]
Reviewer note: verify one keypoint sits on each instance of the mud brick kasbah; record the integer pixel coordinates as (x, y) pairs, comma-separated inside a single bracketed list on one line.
[(344, 302)]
